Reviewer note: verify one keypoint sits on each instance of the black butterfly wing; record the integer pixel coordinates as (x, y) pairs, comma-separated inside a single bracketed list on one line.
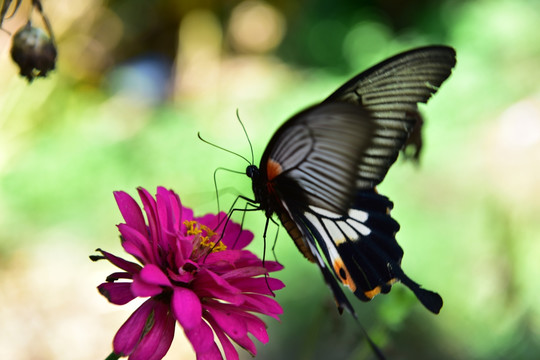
[(314, 154), (390, 91), (360, 249), (319, 171)]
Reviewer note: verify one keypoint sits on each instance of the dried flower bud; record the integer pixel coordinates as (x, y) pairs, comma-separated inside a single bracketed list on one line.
[(34, 52)]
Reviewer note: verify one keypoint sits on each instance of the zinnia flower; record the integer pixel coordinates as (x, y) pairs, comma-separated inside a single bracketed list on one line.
[(194, 271)]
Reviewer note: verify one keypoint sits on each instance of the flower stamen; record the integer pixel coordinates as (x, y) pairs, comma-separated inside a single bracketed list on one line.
[(205, 236)]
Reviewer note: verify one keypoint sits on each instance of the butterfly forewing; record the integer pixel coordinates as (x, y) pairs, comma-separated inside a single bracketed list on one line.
[(390, 91), (315, 154)]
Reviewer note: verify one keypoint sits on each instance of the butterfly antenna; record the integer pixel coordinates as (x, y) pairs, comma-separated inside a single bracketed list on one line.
[(221, 148), (247, 136)]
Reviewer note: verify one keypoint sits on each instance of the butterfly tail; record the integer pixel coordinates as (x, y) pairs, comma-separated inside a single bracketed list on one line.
[(430, 299), (384, 251)]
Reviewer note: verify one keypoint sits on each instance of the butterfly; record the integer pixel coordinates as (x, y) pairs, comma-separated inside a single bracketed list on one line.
[(320, 170)]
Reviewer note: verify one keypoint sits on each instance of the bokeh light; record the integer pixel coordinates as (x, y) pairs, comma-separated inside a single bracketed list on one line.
[(255, 27)]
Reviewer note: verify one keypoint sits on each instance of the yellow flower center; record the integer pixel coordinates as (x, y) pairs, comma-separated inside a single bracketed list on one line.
[(204, 236)]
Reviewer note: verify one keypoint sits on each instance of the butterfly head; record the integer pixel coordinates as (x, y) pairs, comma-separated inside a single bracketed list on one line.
[(252, 172)]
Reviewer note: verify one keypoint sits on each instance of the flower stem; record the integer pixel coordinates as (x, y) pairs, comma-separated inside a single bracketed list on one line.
[(113, 356)]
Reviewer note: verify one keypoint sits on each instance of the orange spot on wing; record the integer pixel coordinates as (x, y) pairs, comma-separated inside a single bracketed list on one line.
[(371, 293), (273, 169), (377, 290), (343, 274)]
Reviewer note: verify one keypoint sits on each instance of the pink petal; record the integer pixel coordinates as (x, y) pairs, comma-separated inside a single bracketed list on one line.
[(130, 332), (227, 257), (247, 344), (229, 321), (272, 266), (163, 208), (176, 212), (213, 354), (244, 272), (149, 205), (169, 209), (157, 341), (183, 277), (255, 326), (131, 212), (135, 243), (168, 246), (152, 274), (260, 285), (211, 220), (237, 258), (141, 288), (135, 250), (250, 259), (186, 307), (209, 284), (182, 249), (228, 348), (118, 275), (128, 266), (235, 237), (179, 254), (262, 304), (202, 339), (117, 293)]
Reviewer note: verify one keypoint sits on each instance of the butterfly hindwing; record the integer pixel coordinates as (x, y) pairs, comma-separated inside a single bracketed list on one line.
[(359, 248)]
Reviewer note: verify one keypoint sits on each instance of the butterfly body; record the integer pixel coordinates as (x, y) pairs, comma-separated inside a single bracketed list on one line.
[(320, 170)]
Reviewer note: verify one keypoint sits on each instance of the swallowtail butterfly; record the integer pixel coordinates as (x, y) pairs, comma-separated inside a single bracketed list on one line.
[(319, 173)]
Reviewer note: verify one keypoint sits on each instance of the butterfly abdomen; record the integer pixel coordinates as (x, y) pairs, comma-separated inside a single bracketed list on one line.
[(296, 235)]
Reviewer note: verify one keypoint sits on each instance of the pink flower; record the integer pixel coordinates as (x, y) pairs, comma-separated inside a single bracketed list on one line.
[(194, 271)]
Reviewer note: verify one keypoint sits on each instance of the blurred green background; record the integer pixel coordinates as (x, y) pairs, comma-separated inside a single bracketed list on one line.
[(137, 79)]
